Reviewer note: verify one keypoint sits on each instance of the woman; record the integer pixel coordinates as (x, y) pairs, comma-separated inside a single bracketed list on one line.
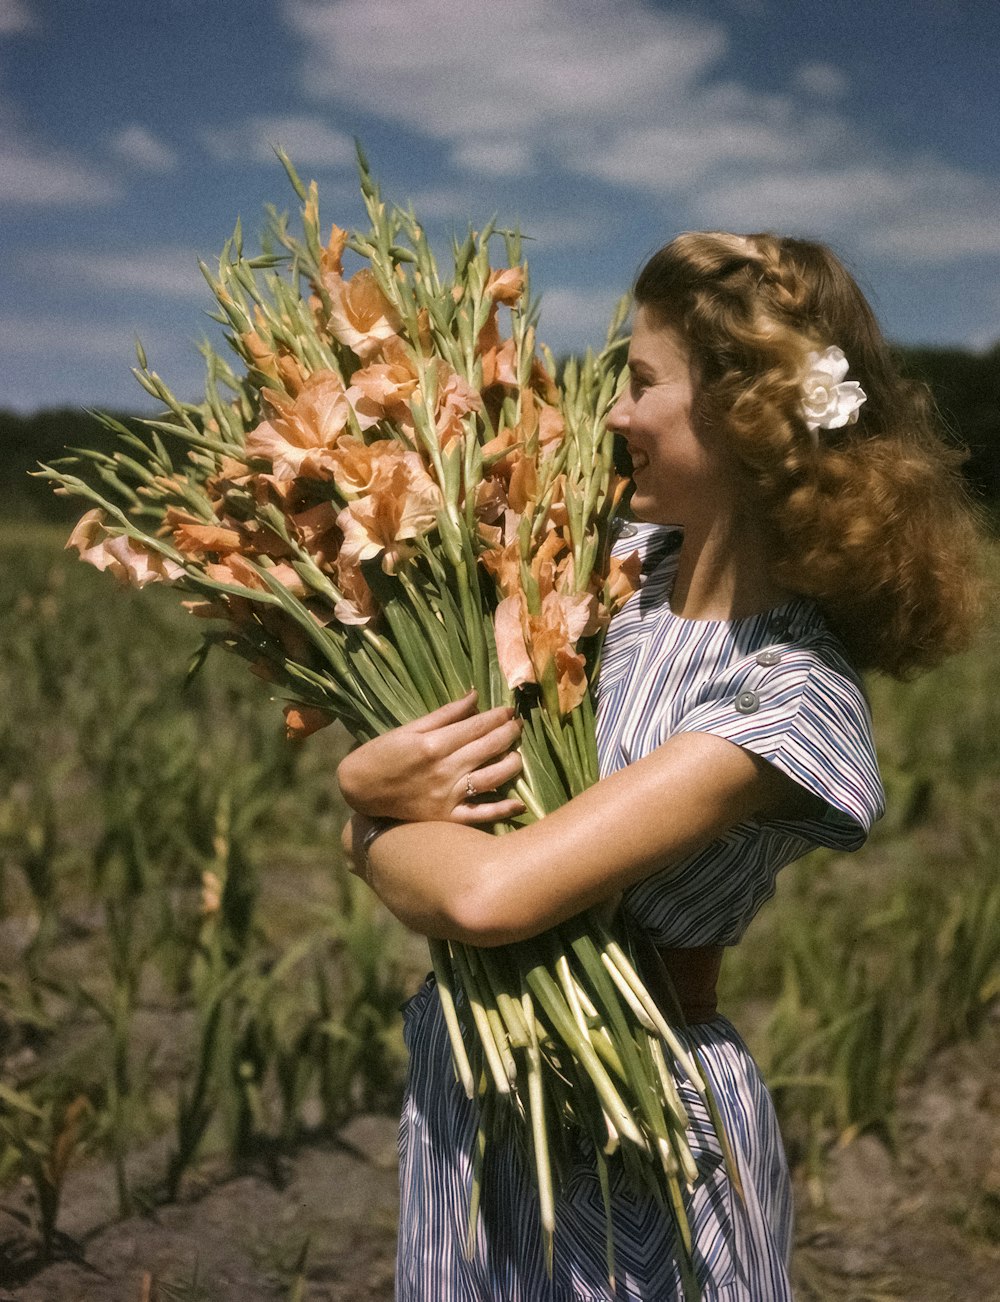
[(795, 527)]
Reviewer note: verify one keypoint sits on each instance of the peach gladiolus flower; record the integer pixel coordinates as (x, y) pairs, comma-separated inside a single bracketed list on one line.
[(123, 557), (623, 579), (262, 355), (504, 563), (331, 258), (382, 390), (235, 569), (274, 361), (402, 504), (531, 646), (551, 426), (512, 650), (316, 528), (357, 605), (506, 285), (456, 398), (302, 721), (500, 366), (197, 539), (299, 437), (361, 317), (356, 466), (289, 578)]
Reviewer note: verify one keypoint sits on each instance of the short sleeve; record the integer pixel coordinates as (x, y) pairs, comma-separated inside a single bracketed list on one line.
[(802, 709)]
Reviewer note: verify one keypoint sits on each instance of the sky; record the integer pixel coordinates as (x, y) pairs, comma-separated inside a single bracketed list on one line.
[(133, 132)]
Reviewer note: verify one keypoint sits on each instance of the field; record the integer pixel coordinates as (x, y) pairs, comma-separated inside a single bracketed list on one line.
[(200, 1048)]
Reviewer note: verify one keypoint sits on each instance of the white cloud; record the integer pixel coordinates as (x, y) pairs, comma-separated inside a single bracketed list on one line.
[(822, 80), (943, 236), (633, 97), (136, 144), (664, 159), (923, 211), (15, 17), (577, 317), (37, 176), (165, 272), (308, 140), (464, 70), (623, 94), (494, 157)]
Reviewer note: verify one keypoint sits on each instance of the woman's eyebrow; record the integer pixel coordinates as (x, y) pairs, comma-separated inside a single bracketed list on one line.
[(635, 364)]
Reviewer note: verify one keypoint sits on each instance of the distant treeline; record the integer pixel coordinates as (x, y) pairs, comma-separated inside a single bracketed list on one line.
[(966, 388)]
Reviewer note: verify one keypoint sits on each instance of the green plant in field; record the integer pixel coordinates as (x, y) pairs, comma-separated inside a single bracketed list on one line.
[(119, 796), (364, 1048), (966, 959), (866, 997), (44, 1137)]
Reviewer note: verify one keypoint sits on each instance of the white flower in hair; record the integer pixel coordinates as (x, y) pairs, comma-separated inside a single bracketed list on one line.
[(828, 400)]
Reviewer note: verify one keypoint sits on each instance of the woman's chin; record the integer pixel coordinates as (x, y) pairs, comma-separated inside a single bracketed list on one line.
[(644, 508)]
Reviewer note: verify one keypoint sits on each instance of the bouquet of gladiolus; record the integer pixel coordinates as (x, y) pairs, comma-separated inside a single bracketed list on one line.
[(387, 501)]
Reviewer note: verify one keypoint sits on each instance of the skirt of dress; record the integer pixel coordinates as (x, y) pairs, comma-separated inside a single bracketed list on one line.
[(741, 1248)]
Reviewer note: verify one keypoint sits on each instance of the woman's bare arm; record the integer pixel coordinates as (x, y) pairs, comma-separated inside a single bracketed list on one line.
[(454, 881)]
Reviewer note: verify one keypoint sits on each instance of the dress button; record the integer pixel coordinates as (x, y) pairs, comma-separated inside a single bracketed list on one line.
[(747, 702), (769, 657)]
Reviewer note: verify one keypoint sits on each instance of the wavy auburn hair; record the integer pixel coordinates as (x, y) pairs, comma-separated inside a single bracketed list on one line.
[(872, 520)]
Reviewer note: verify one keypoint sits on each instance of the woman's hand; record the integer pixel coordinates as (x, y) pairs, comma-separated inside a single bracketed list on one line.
[(438, 767)]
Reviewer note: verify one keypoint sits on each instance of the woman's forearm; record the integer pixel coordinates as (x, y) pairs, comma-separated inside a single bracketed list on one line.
[(430, 875), (456, 882)]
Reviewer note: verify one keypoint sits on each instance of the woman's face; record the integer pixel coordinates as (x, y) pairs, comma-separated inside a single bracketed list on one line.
[(680, 477)]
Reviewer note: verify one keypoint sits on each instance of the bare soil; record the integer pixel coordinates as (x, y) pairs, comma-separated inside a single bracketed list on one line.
[(317, 1224)]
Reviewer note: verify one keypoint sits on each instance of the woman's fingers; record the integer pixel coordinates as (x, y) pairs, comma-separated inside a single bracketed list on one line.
[(488, 746), (446, 714), (494, 811), (490, 776)]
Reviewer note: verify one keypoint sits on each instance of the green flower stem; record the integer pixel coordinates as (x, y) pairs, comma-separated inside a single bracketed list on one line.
[(497, 983), (479, 966), (673, 1098), (569, 990), (190, 433), (423, 670), (441, 962), (539, 1133), (550, 998), (617, 957), (606, 991), (449, 655), (604, 1046), (494, 1060), (478, 1157)]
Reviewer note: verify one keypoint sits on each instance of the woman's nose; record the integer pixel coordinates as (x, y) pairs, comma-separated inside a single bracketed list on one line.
[(618, 416)]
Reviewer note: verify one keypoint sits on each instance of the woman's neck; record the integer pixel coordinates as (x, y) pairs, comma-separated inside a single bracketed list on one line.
[(724, 573)]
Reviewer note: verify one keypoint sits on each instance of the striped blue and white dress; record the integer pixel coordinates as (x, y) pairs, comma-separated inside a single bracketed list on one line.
[(779, 685)]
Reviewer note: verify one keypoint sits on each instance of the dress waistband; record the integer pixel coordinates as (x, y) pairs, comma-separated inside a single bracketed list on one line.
[(695, 975), (682, 981)]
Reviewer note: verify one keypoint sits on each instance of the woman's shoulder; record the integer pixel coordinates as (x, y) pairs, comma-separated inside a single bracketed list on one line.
[(787, 654)]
